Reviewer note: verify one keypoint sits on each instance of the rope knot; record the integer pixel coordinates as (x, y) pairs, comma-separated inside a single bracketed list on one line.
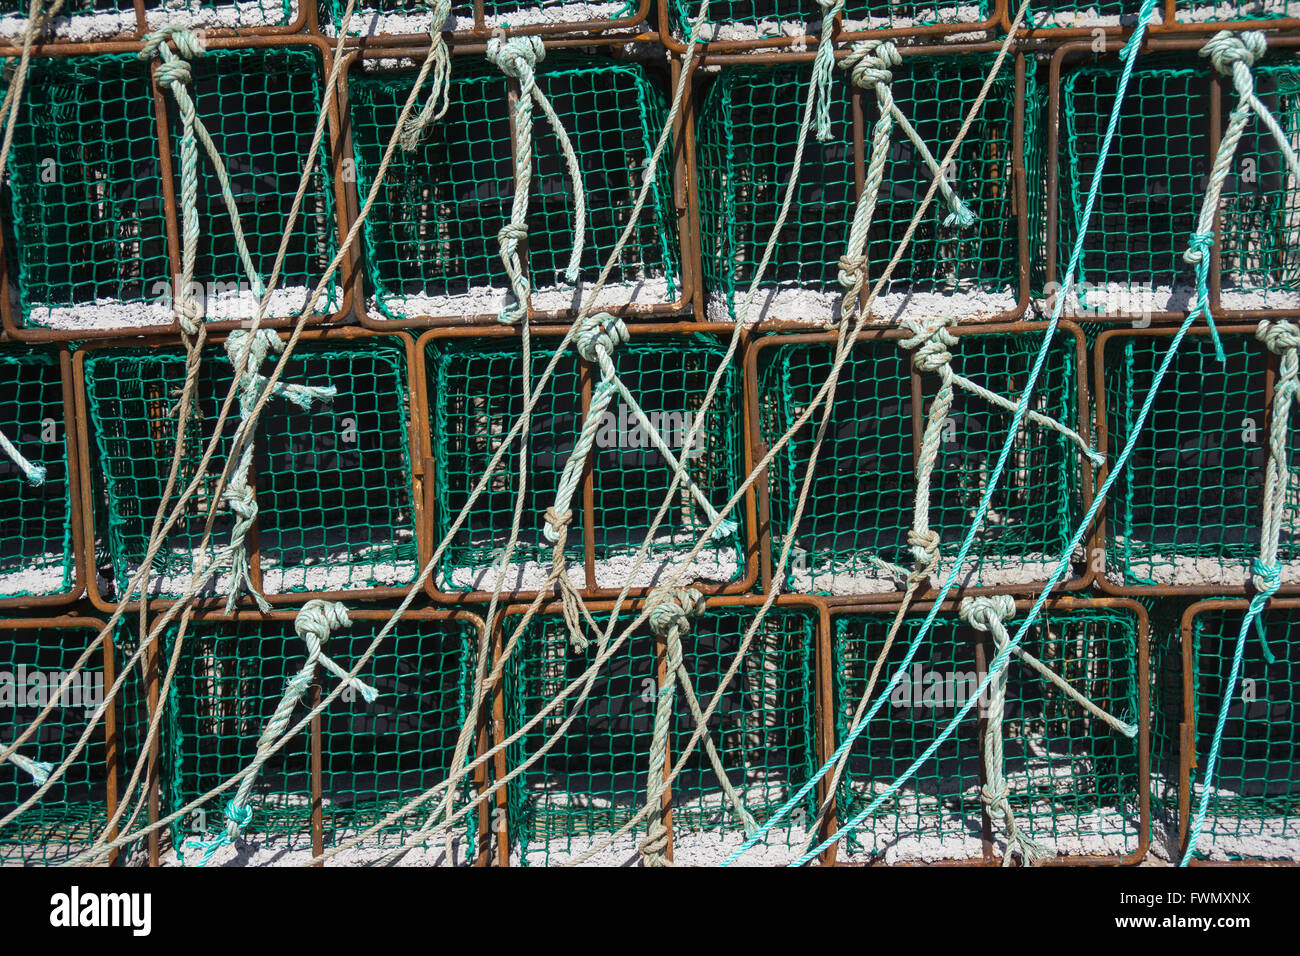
[(925, 548), (1226, 49), (238, 815), (1267, 578), (983, 612), (871, 62), (992, 794), (1198, 246), (1279, 336), (673, 608), (188, 43), (317, 620), (599, 333), (516, 56), (556, 522), (930, 342)]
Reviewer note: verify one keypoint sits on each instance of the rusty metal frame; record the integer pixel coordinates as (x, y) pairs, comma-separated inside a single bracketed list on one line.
[(758, 450), (112, 742), (1169, 25), (1187, 727), (683, 200), (422, 406), (821, 695), (1097, 538), (861, 133), (479, 778), (76, 500), (1143, 739), (765, 46), (345, 275), (1215, 84), (87, 464), (585, 32)]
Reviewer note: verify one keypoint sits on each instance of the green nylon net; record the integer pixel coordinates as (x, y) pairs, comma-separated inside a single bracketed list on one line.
[(1073, 781), (593, 780), (36, 556), (431, 239), (475, 398), (748, 128), (334, 496), (859, 507), (1254, 808)]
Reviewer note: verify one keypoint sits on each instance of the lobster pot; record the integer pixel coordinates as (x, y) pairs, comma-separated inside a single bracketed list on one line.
[(86, 240), (1255, 795), (783, 20), (593, 779), (1073, 781), (37, 558), (1187, 509), (398, 17), (261, 107), (374, 756), (35, 658), (852, 538), (748, 130), (1087, 14), (332, 484), (231, 14), (1155, 183), (431, 239), (100, 19), (474, 401)]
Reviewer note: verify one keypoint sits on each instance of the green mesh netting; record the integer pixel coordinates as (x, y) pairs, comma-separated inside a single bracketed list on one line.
[(35, 522), (333, 483), (412, 16), (1073, 781), (748, 127), (75, 8), (86, 196), (1254, 808), (431, 238), (1152, 188), (34, 661), (593, 780), (863, 489), (1165, 642), (1188, 506), (475, 397), (374, 757), (261, 107)]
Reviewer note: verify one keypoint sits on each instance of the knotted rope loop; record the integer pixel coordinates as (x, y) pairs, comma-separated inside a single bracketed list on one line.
[(925, 550), (989, 615), (1198, 247), (1228, 50), (315, 622), (871, 63), (1278, 335), (930, 343), (673, 609), (238, 495), (517, 57), (599, 334), (188, 43)]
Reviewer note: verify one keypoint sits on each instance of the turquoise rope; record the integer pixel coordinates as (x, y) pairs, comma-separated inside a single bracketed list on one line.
[(1129, 56)]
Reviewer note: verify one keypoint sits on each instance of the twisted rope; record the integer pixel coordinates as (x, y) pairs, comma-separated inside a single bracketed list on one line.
[(989, 614), (824, 67), (439, 100), (517, 57), (34, 473), (38, 770), (315, 622), (238, 495), (596, 338)]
